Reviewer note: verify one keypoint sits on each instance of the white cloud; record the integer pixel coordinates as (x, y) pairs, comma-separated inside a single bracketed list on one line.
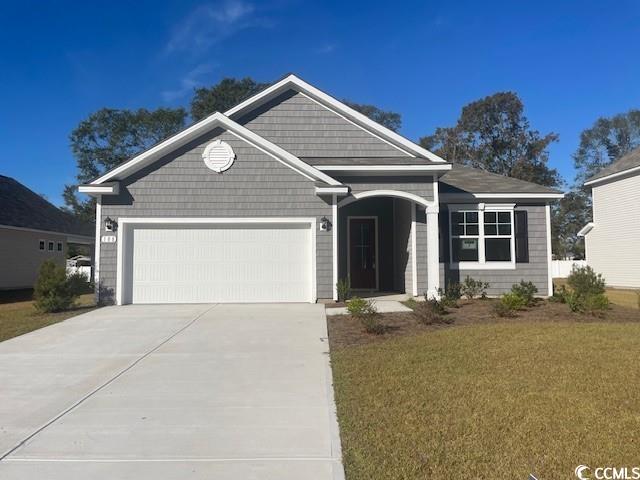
[(210, 23), (194, 78)]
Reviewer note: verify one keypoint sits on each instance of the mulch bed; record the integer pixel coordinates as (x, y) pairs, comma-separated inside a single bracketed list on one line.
[(346, 331)]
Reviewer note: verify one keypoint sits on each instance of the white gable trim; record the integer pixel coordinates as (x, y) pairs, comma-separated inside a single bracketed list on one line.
[(299, 85), (216, 120), (612, 176)]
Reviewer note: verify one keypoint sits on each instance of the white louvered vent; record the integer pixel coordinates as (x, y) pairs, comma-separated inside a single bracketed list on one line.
[(218, 156)]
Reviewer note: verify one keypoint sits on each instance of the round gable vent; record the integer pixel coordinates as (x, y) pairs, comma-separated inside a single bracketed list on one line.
[(218, 156)]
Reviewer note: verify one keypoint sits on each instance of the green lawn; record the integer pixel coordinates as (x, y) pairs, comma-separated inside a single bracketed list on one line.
[(491, 401), (17, 315)]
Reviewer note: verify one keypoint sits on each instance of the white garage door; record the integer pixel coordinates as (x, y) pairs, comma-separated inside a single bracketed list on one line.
[(219, 263)]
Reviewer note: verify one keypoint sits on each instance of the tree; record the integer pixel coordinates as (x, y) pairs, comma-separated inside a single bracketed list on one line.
[(109, 137), (493, 134), (222, 96), (606, 141), (391, 120), (569, 215)]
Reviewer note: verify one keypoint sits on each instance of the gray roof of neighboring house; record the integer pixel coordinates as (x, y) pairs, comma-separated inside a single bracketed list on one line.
[(20, 207), (321, 161), (630, 160), (474, 180)]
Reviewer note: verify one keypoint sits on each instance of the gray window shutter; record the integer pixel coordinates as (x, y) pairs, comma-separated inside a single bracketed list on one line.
[(443, 220)]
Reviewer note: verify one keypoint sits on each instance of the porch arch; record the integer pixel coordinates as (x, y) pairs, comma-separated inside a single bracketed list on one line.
[(387, 193)]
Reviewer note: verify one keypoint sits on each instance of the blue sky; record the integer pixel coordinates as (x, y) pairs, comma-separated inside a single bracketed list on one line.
[(570, 62)]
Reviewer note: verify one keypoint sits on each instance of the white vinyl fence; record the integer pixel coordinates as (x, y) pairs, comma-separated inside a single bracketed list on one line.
[(562, 268), (86, 271)]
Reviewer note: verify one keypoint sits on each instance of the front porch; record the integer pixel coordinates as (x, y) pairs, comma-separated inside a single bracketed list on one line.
[(386, 243)]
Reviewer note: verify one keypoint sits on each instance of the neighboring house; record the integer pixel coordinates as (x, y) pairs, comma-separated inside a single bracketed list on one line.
[(32, 230), (612, 240), (291, 190)]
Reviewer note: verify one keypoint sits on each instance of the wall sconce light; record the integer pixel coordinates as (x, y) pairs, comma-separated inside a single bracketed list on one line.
[(325, 224), (110, 225)]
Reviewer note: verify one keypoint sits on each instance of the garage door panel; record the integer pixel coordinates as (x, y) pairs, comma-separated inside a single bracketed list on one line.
[(221, 264)]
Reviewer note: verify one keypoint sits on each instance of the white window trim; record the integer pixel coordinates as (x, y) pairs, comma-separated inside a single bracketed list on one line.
[(375, 219), (125, 222), (44, 245), (52, 244), (482, 264), (59, 247)]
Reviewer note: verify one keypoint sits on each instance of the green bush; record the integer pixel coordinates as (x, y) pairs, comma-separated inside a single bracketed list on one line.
[(526, 291), (502, 310), (584, 281), (367, 313), (451, 295), (509, 304), (596, 304), (52, 291), (344, 289), (78, 283), (474, 288)]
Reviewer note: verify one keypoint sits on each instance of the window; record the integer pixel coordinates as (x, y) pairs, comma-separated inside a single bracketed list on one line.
[(41, 245), (59, 246), (497, 232), (50, 246), (465, 236), (482, 236)]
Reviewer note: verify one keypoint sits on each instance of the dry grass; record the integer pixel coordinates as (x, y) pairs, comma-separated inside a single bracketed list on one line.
[(17, 315), (492, 399)]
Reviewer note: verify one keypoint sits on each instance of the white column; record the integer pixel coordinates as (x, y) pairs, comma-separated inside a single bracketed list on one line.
[(433, 252), (334, 233), (96, 259)]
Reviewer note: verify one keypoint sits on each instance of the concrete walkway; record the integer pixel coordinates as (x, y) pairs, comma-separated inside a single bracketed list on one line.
[(165, 392), (383, 306)]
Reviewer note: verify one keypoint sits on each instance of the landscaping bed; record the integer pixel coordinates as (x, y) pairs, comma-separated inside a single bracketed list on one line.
[(346, 331)]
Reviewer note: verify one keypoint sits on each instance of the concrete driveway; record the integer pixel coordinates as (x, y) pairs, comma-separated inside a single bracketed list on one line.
[(172, 391)]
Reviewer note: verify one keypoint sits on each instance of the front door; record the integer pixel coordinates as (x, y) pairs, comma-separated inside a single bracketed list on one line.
[(362, 253)]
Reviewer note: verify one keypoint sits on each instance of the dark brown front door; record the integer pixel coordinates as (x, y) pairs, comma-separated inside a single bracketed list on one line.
[(362, 252)]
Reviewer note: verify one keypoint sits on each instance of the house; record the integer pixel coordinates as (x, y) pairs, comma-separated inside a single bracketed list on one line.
[(612, 239), (32, 230), (289, 191)]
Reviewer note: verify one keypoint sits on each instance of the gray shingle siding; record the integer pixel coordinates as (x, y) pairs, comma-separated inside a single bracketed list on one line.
[(307, 129), (421, 186), (180, 185), (500, 281)]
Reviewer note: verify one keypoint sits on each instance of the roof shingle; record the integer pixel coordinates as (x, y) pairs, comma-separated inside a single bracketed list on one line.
[(20, 207), (630, 160)]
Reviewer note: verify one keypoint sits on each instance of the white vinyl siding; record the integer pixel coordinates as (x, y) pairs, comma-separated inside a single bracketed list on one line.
[(218, 263), (613, 246)]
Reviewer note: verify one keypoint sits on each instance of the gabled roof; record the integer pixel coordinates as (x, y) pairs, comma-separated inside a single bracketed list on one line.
[(23, 208), (217, 120), (291, 82), (478, 182), (626, 164)]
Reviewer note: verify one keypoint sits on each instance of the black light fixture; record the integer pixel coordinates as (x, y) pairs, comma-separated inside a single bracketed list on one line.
[(325, 224), (109, 224)]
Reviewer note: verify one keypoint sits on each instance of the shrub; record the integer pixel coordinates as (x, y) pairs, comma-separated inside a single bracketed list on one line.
[(435, 305), (509, 304), (584, 281), (344, 289), (596, 304), (430, 312), (474, 288), (366, 312), (526, 291), (52, 291), (559, 294), (450, 296), (78, 283)]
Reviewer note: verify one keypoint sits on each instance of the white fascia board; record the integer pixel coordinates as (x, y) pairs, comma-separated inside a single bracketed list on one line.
[(300, 85), (209, 123), (385, 168), (447, 197), (612, 176), (332, 190), (586, 229), (112, 188)]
